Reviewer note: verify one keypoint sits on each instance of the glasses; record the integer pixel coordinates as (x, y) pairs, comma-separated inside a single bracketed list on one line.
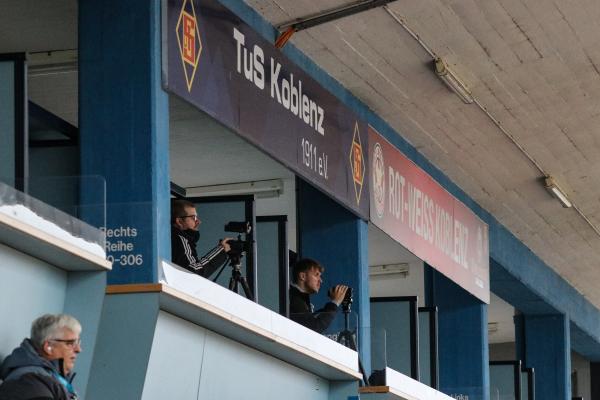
[(194, 217), (69, 342)]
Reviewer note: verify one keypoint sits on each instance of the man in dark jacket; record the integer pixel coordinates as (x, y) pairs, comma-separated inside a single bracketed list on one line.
[(185, 235), (306, 281), (42, 366)]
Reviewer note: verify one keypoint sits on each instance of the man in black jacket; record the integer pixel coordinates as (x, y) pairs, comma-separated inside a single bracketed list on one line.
[(306, 281), (185, 235), (42, 366)]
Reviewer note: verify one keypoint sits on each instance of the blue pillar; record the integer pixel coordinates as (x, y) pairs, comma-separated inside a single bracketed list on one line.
[(463, 339), (547, 349), (123, 119), (338, 239)]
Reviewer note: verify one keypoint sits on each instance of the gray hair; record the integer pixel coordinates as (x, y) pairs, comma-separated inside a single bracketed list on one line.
[(49, 325)]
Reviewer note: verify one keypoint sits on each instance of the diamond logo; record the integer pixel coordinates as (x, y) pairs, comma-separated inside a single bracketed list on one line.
[(357, 164), (189, 41)]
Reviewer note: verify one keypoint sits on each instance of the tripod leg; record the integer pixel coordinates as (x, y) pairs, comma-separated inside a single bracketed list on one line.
[(344, 338), (246, 288), (233, 284)]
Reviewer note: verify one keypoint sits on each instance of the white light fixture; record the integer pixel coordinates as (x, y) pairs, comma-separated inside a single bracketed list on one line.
[(389, 269), (452, 81), (492, 327), (262, 189), (52, 62), (557, 192)]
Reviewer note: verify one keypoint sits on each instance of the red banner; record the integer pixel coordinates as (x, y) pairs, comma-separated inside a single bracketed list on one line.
[(413, 209)]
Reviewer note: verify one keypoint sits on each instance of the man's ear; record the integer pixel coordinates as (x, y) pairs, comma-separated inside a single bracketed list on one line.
[(47, 347), (301, 276)]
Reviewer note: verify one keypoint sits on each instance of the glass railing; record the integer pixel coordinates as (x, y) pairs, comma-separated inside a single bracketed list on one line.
[(52, 220), (83, 197), (340, 325), (379, 357), (395, 319), (344, 328)]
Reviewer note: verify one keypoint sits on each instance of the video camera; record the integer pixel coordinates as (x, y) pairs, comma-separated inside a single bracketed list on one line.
[(238, 246), (347, 301)]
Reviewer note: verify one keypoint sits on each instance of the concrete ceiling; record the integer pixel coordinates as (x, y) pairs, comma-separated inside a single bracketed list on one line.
[(534, 65)]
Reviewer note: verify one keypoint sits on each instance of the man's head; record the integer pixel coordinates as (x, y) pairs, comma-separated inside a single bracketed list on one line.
[(184, 215), (307, 275), (56, 337)]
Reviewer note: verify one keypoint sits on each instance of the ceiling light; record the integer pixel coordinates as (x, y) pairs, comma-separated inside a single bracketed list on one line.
[(262, 189), (557, 192), (452, 81), (389, 269), (492, 327), (52, 62)]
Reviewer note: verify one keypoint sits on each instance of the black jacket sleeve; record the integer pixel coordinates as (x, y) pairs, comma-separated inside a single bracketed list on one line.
[(300, 312), (211, 265), (183, 253)]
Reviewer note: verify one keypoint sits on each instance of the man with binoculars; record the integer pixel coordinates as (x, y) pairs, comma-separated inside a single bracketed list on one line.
[(306, 281)]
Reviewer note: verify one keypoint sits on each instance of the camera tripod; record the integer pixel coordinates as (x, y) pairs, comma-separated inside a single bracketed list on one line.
[(347, 338), (237, 278)]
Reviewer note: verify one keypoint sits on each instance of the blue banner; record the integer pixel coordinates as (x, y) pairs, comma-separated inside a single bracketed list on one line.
[(219, 64)]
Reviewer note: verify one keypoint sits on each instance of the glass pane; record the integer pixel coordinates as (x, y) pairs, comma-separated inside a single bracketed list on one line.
[(22, 207), (378, 356), (425, 347), (525, 386), (7, 122), (344, 328), (268, 268), (502, 382), (395, 318)]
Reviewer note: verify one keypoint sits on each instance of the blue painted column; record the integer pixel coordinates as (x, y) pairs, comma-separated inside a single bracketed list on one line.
[(338, 239), (462, 339), (123, 119), (547, 349)]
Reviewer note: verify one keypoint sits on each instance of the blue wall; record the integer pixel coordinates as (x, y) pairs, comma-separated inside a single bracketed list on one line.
[(123, 114)]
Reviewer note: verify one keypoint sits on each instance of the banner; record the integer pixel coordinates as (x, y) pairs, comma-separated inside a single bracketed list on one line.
[(220, 65), (413, 209)]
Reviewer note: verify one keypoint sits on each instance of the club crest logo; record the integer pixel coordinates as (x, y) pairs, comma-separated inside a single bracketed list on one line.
[(189, 41), (357, 164), (378, 180)]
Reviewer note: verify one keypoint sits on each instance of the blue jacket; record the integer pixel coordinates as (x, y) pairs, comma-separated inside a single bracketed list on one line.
[(27, 375)]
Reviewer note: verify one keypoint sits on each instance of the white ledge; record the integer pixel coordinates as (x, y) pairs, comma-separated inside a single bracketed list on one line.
[(401, 387), (212, 306), (47, 247)]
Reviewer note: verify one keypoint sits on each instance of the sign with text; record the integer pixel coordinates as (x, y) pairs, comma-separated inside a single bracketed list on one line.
[(413, 209), (219, 64), (127, 240)]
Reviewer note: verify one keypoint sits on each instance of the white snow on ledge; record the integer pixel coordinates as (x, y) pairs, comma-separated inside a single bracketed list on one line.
[(25, 215)]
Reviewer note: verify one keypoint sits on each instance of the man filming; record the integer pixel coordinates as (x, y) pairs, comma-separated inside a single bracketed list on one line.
[(306, 281), (184, 236)]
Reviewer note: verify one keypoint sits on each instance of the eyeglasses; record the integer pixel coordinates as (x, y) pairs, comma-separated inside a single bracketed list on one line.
[(69, 342), (194, 217)]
